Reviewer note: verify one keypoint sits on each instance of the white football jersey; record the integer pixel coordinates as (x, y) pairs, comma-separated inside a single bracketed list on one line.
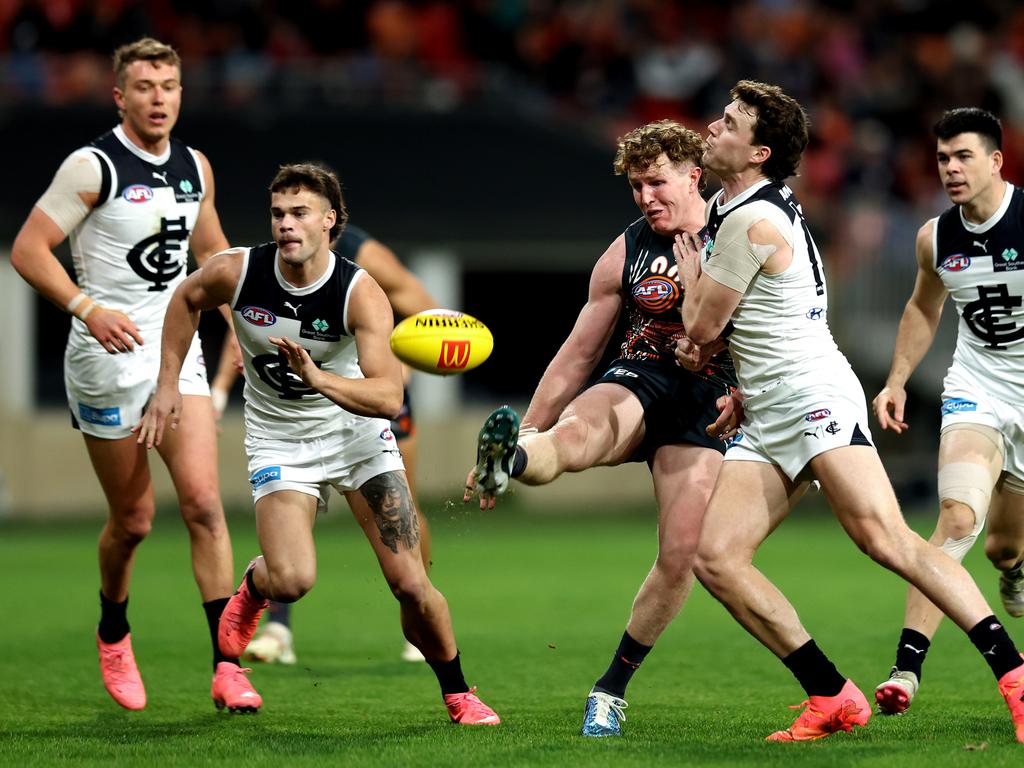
[(131, 251), (779, 330), (278, 404), (982, 267)]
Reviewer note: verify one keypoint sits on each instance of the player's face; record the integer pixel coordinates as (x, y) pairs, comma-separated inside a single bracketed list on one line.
[(729, 147), (664, 193), (150, 101), (966, 168), (301, 221)]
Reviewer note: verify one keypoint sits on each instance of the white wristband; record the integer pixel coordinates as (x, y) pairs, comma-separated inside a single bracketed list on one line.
[(73, 304), (88, 311)]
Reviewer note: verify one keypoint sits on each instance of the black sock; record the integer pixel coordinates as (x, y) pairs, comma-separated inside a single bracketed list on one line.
[(113, 620), (449, 675), (519, 462), (816, 674), (989, 637), (911, 651), (280, 612), (627, 659), (256, 594), (213, 609)]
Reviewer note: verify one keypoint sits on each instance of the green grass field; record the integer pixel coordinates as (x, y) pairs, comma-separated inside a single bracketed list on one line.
[(539, 601)]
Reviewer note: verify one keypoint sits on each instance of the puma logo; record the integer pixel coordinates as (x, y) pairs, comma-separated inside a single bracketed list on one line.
[(912, 648), (161, 176), (982, 244), (293, 307)]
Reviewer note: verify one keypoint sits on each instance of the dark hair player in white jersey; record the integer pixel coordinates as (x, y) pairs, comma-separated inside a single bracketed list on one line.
[(321, 384), (133, 202), (805, 416), (973, 252)]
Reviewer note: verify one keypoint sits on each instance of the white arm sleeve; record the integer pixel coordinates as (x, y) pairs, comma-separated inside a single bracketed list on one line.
[(734, 260), (62, 201)]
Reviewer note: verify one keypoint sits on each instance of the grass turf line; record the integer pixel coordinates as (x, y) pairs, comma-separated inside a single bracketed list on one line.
[(539, 601)]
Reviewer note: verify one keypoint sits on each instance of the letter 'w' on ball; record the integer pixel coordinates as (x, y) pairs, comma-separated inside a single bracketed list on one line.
[(442, 341)]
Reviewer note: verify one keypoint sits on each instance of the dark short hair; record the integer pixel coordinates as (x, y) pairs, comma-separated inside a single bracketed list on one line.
[(318, 179), (970, 120), (781, 125), (146, 49), (639, 148)]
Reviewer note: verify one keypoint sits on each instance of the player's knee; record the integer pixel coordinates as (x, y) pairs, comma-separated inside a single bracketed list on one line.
[(711, 567), (676, 561), (958, 519), (288, 585), (1002, 554), (410, 589), (201, 509), (571, 437), (131, 525)]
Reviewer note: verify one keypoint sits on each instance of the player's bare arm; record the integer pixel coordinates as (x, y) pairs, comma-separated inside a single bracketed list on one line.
[(404, 291), (380, 392), (583, 348), (72, 195), (708, 304), (207, 288), (917, 330)]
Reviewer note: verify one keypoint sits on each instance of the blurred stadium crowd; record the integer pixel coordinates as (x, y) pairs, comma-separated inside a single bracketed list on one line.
[(874, 74)]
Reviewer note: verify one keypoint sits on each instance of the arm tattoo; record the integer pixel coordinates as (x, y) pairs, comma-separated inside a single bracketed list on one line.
[(389, 498)]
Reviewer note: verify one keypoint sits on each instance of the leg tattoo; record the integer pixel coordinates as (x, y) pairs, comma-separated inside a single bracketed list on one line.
[(389, 498)]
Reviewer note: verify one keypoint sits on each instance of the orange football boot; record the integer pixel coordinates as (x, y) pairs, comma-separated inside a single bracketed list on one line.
[(120, 674), (467, 709), (826, 715)]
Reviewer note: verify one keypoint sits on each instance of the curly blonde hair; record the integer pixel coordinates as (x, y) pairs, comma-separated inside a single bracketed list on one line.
[(642, 146)]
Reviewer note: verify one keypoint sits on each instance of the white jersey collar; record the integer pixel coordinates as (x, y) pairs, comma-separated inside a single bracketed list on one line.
[(742, 197), (132, 147), (992, 220), (306, 289)]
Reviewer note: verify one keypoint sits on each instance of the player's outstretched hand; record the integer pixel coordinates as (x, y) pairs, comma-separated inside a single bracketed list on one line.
[(298, 359), (487, 500), (114, 330), (889, 407), (730, 416), (163, 410)]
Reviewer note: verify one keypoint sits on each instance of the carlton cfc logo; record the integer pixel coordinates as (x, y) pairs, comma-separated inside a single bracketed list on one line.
[(656, 294), (454, 355), (137, 193), (258, 316)]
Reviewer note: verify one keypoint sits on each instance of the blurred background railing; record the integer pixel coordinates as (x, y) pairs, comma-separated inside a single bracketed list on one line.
[(476, 139)]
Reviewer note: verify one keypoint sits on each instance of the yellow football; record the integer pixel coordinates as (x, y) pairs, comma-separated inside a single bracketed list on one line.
[(442, 341)]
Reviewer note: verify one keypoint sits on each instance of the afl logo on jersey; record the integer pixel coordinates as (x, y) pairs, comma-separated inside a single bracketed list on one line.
[(137, 193), (258, 316), (817, 415), (656, 294), (958, 262)]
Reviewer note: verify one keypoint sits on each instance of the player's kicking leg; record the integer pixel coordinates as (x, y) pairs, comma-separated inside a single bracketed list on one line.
[(383, 507)]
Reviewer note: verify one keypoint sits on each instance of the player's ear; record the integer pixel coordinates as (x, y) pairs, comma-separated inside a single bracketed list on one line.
[(997, 161), (330, 220)]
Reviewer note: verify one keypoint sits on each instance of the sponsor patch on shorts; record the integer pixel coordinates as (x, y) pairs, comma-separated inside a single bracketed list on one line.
[(106, 417), (958, 404), (264, 475), (387, 434)]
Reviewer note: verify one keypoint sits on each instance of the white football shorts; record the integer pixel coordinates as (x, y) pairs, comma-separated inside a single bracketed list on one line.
[(107, 393), (796, 420), (313, 465), (965, 401)]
